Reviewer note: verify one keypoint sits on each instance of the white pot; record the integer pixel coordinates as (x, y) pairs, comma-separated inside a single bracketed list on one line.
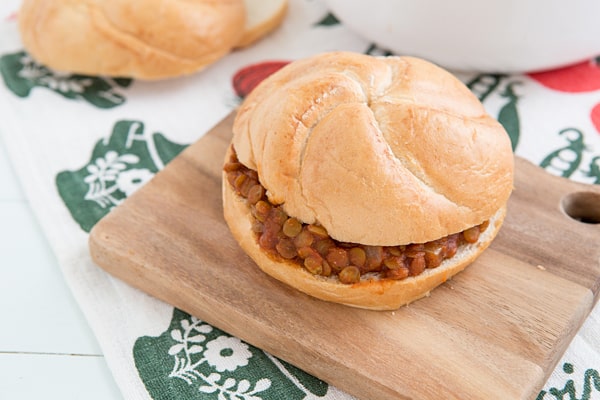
[(482, 35)]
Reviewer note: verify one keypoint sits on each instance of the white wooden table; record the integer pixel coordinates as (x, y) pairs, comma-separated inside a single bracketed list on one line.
[(47, 350)]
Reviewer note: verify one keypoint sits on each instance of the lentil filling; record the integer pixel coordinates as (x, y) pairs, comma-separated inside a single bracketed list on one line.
[(310, 246)]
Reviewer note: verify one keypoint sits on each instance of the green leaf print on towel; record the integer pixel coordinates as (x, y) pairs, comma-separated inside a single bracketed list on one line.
[(575, 160), (508, 115), (328, 20), (589, 384), (194, 360), (594, 170), (118, 166), (21, 74), (565, 161)]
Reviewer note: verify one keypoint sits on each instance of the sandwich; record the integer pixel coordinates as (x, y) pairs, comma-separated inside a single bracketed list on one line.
[(153, 39), (366, 181)]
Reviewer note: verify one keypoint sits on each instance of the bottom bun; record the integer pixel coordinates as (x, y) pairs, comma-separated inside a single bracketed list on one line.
[(262, 18), (371, 292)]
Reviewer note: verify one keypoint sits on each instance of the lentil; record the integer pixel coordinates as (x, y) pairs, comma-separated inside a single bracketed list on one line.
[(311, 246), (471, 235), (349, 274), (286, 249), (314, 265), (304, 239), (255, 193), (337, 258), (357, 256), (292, 227)]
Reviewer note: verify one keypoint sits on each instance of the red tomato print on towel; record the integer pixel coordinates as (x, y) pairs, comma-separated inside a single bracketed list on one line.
[(250, 76), (578, 78)]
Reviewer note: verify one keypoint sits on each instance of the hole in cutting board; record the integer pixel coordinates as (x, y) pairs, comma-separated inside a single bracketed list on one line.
[(582, 206)]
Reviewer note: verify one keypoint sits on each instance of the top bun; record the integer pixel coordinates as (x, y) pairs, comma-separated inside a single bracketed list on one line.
[(380, 151), (149, 39)]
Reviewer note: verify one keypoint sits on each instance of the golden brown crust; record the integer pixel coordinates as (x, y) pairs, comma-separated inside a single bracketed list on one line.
[(380, 151), (371, 292), (129, 39)]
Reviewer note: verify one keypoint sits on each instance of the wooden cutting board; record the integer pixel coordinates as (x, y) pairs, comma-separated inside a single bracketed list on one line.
[(495, 331)]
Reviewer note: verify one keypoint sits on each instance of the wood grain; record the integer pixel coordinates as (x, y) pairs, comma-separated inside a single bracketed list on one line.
[(495, 331)]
